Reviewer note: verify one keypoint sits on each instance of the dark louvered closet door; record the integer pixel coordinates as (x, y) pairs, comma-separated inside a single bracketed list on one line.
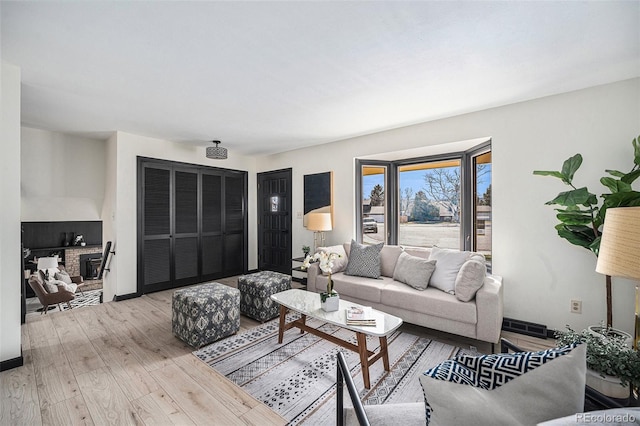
[(212, 241), (234, 222), (186, 227), (192, 224), (156, 230)]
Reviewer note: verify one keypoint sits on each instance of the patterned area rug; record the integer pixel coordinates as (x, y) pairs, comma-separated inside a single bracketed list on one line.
[(90, 298), (297, 378)]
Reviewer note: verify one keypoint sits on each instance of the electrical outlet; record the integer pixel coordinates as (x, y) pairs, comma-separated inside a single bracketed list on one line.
[(576, 306), (298, 215)]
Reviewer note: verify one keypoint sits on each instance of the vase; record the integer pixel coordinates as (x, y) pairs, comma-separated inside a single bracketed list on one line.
[(329, 302), (607, 385)]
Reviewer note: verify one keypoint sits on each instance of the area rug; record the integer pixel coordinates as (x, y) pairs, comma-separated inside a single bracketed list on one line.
[(297, 378), (90, 298)]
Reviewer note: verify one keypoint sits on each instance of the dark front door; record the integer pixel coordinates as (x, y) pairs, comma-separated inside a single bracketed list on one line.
[(274, 221)]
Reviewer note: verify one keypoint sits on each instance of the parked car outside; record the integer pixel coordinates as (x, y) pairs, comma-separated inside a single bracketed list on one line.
[(369, 225)]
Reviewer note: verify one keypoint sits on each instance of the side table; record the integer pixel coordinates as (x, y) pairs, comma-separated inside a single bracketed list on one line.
[(297, 273)]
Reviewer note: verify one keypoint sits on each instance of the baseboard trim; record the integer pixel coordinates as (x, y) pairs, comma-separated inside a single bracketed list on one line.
[(12, 363), (120, 298), (525, 327)]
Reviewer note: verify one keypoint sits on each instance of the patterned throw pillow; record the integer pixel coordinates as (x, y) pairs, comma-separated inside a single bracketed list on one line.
[(364, 260), (508, 383)]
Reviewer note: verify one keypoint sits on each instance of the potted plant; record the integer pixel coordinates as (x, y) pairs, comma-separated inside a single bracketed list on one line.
[(329, 300), (581, 218), (306, 250), (611, 365)]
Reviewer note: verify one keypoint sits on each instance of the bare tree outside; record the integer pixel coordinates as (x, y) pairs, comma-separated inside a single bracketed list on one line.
[(405, 200), (443, 186)]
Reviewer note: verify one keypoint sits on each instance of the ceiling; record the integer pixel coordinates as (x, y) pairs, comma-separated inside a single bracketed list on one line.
[(267, 77)]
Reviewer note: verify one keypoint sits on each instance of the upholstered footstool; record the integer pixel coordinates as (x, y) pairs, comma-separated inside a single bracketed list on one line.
[(204, 313), (256, 290)]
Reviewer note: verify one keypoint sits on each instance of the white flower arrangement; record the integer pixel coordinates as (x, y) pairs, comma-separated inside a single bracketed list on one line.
[(325, 263)]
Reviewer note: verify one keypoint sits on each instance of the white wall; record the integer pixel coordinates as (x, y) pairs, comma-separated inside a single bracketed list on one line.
[(10, 256), (123, 277), (63, 176), (541, 271)]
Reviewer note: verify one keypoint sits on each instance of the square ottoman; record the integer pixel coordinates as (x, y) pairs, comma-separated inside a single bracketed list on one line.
[(255, 293), (204, 313)]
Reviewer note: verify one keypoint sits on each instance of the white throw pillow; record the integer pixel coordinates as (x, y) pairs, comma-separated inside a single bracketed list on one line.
[(448, 265), (339, 263), (50, 286), (544, 390), (63, 276)]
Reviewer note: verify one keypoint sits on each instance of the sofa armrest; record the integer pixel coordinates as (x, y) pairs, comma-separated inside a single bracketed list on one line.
[(312, 274), (489, 304)]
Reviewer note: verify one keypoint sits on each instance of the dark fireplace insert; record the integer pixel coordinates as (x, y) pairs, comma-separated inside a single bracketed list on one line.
[(90, 265)]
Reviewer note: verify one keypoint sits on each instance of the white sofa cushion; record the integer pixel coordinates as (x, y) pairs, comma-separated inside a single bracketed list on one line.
[(360, 288), (430, 301)]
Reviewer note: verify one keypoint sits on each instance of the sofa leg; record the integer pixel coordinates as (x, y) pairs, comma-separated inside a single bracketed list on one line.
[(493, 348)]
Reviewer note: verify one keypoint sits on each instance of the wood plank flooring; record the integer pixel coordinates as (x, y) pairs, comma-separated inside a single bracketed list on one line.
[(119, 364)]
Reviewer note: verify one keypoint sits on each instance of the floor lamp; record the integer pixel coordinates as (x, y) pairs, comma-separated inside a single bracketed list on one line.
[(619, 254), (318, 223)]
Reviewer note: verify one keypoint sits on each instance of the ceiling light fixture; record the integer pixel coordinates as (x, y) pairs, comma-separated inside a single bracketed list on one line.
[(216, 152)]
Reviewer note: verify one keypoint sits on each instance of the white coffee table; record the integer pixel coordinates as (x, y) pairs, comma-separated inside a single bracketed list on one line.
[(308, 304)]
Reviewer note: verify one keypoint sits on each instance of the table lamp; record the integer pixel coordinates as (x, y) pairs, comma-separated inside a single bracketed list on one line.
[(45, 263), (619, 254), (318, 223)]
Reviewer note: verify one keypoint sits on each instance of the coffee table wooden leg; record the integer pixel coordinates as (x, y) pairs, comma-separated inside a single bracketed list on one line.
[(283, 316), (303, 318), (384, 352), (364, 358)]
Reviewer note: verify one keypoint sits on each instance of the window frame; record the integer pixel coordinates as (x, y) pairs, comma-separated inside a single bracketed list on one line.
[(392, 205)]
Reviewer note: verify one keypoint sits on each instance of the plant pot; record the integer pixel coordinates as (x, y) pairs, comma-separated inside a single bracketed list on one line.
[(329, 302), (607, 385), (599, 330)]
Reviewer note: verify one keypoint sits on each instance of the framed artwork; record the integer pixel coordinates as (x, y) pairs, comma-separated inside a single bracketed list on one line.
[(318, 194)]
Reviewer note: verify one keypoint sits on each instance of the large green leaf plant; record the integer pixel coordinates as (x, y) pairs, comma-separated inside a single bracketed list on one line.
[(581, 213)]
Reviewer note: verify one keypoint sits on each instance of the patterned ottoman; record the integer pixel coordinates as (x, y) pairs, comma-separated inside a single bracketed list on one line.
[(255, 291), (204, 313)]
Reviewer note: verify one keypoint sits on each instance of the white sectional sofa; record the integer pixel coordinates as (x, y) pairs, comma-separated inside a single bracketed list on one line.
[(479, 318)]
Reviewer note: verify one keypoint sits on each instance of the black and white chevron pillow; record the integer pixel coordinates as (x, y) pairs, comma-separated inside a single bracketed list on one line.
[(491, 371)]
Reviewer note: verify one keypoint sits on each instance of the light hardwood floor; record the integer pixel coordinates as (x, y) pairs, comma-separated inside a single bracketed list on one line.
[(119, 364)]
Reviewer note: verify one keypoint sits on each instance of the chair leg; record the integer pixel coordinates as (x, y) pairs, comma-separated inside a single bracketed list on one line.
[(69, 305), (59, 307), (44, 309)]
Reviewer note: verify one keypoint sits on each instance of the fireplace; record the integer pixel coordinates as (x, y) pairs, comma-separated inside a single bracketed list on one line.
[(90, 265)]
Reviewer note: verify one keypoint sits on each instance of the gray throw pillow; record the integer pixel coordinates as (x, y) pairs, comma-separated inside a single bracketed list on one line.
[(50, 286), (63, 276), (364, 260), (414, 271), (521, 389), (470, 279)]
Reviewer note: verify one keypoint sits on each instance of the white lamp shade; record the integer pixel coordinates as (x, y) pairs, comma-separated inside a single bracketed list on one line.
[(619, 254), (45, 263), (319, 222)]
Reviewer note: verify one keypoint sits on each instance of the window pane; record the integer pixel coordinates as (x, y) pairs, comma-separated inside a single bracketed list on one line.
[(373, 204), (429, 201), (482, 191)]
